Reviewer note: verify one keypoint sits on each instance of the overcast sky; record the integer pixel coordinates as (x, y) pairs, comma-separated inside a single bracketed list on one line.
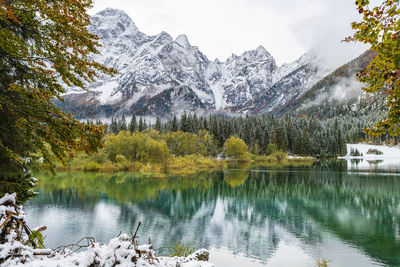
[(286, 28)]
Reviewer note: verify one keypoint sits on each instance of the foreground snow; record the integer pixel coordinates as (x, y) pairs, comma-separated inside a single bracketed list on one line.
[(16, 250), (118, 252)]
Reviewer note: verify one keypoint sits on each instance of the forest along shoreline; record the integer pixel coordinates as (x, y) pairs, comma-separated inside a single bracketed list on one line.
[(177, 153), (190, 144)]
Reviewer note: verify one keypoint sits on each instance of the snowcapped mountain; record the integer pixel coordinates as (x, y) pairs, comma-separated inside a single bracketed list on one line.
[(162, 76), (291, 82), (241, 77), (338, 93)]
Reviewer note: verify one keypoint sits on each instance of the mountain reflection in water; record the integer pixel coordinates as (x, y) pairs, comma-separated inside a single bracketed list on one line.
[(322, 211)]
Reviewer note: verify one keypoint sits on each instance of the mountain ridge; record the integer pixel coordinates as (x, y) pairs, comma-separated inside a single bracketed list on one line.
[(162, 76)]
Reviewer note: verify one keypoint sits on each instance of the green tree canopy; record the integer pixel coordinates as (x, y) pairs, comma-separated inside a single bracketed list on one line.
[(236, 148), (44, 47), (138, 146), (380, 28)]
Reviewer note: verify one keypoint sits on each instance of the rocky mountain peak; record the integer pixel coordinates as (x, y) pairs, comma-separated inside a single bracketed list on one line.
[(261, 52), (161, 76), (259, 56), (110, 23), (162, 38), (183, 41)]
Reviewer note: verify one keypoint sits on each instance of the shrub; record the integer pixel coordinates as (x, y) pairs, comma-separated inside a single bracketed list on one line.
[(181, 250), (271, 148), (322, 262), (108, 167), (279, 155), (237, 149), (120, 159), (374, 151), (99, 157), (91, 166)]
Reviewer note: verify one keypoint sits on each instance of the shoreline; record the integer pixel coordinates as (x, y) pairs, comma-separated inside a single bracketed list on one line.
[(189, 165)]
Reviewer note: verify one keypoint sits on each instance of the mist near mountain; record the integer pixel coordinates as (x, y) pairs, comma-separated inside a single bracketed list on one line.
[(162, 76), (286, 28)]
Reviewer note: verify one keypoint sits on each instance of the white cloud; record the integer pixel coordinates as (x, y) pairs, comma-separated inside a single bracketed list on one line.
[(324, 33), (286, 28)]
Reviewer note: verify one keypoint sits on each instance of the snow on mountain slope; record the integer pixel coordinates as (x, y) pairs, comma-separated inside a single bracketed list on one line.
[(289, 82), (162, 76), (338, 90), (147, 65), (286, 69), (287, 88), (241, 77)]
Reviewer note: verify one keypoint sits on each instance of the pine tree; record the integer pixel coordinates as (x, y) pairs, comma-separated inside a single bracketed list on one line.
[(305, 143), (205, 124), (122, 124), (113, 126), (174, 124), (133, 124), (144, 124), (266, 141), (281, 137), (141, 124), (189, 124), (290, 133), (157, 126), (196, 124), (183, 123)]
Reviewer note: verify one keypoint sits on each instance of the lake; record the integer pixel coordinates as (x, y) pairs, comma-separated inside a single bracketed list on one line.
[(252, 217)]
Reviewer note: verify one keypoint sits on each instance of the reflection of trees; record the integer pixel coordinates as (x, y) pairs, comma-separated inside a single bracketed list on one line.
[(356, 161), (329, 165), (362, 210), (236, 178), (124, 187), (374, 162)]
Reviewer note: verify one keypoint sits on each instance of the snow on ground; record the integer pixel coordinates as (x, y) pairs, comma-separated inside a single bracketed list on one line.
[(298, 157), (388, 152), (118, 252), (390, 159)]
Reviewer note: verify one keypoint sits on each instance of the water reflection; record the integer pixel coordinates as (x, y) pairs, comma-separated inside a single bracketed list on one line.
[(323, 210), (375, 164)]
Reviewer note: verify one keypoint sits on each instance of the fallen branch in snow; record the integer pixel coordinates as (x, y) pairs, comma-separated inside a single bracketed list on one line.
[(72, 248)]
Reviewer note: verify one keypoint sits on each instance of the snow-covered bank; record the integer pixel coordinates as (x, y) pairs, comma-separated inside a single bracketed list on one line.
[(118, 252), (387, 151), (389, 159), (21, 246)]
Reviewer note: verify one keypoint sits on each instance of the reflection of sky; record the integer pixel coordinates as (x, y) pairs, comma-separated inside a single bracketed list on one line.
[(268, 225), (233, 241)]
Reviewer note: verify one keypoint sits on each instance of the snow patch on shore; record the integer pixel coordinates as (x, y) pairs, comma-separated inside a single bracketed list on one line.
[(388, 152), (390, 158)]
